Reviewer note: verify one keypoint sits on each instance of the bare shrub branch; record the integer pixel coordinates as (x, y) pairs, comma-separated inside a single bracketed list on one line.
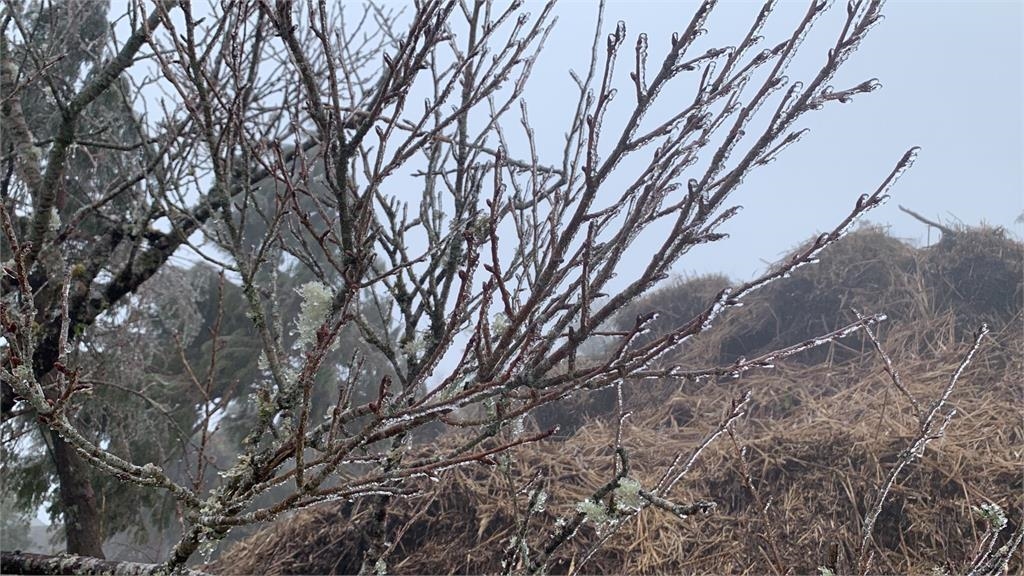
[(384, 222)]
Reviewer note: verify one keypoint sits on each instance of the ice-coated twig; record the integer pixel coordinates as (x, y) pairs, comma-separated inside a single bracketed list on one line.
[(931, 427)]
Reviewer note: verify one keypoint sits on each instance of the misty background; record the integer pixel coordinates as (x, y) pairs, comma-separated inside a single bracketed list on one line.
[(951, 76)]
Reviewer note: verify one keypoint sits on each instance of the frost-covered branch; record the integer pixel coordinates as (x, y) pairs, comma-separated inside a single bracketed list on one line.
[(932, 426), (18, 562), (389, 234)]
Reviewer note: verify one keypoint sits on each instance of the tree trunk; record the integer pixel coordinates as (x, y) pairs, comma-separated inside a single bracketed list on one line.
[(81, 517)]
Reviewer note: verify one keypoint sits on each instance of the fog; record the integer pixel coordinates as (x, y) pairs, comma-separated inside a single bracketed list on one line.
[(951, 76)]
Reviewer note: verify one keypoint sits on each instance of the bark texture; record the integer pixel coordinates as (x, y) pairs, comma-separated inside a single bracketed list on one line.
[(81, 516), (25, 563)]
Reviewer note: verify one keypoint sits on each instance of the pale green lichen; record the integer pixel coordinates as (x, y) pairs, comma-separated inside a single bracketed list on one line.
[(25, 384), (627, 495), (993, 514), (264, 404), (151, 469), (594, 511), (540, 501), (316, 304), (499, 324), (54, 219), (504, 462), (242, 471), (414, 346), (23, 372), (481, 228)]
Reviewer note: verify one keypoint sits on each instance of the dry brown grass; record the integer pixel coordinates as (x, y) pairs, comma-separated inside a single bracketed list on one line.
[(820, 435)]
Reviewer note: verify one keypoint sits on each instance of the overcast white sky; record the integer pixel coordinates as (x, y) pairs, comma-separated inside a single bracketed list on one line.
[(951, 75)]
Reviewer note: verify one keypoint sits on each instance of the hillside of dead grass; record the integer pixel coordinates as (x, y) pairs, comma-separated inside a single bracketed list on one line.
[(821, 432)]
